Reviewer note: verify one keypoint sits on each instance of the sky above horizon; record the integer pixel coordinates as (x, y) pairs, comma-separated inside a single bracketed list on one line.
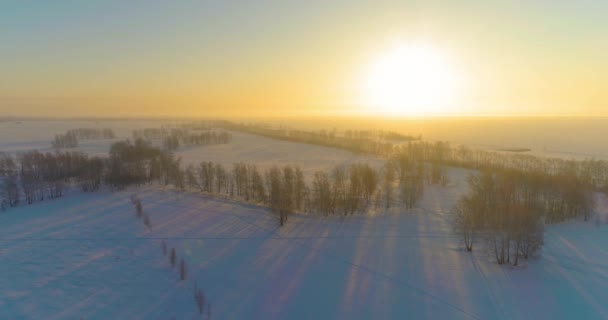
[(212, 58)]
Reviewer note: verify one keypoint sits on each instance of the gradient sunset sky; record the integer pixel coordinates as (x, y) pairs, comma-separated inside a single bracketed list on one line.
[(202, 58)]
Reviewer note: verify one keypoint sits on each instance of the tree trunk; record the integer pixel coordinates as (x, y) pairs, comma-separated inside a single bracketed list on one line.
[(516, 254)]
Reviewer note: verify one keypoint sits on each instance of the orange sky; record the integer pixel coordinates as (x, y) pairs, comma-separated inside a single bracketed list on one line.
[(156, 59)]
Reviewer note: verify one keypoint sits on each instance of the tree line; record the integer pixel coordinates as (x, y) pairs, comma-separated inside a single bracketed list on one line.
[(284, 189), (92, 133), (343, 190), (359, 142), (173, 141), (33, 176), (71, 137), (173, 138), (65, 141)]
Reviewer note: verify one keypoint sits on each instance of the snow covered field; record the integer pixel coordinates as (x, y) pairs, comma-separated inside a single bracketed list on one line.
[(265, 152), (88, 256)]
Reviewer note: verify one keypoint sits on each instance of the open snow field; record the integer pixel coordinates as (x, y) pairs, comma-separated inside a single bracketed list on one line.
[(266, 152), (88, 256)]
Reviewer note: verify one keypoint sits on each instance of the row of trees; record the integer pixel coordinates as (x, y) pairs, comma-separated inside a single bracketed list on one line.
[(352, 143), (378, 135), (173, 141), (344, 190), (33, 176), (92, 133), (591, 171), (283, 189), (71, 137), (172, 138), (65, 141), (566, 184), (138, 162)]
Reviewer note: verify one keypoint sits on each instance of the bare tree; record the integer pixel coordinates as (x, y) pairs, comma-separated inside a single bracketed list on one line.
[(199, 299), (182, 269), (139, 211), (147, 221), (173, 257), (299, 188), (321, 194)]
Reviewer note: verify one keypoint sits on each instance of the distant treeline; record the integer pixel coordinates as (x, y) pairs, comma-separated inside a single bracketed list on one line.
[(355, 141), (172, 138), (93, 133), (71, 137), (65, 141)]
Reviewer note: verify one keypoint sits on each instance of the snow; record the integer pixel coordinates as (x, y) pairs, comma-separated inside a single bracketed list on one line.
[(87, 255), (266, 152)]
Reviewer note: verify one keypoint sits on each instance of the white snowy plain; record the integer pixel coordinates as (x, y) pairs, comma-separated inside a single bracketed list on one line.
[(87, 256)]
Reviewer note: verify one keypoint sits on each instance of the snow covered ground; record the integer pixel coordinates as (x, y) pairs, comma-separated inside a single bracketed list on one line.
[(88, 256), (266, 152)]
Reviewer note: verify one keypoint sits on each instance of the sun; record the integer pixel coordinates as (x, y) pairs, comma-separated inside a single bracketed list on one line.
[(411, 80)]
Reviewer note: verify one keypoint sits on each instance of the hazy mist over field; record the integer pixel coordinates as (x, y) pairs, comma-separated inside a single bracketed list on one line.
[(569, 137)]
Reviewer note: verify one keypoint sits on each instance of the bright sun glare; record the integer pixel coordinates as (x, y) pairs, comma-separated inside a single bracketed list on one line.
[(411, 81)]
